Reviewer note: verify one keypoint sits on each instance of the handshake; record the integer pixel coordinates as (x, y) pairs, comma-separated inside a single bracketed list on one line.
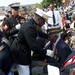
[(49, 53)]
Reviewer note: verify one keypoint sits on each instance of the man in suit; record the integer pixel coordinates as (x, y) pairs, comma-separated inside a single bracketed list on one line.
[(26, 41), (61, 52)]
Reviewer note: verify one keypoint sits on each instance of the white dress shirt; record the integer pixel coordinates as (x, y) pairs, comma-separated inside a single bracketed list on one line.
[(72, 25), (57, 18), (56, 43)]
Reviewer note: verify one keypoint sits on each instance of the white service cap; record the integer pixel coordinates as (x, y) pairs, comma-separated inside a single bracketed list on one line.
[(42, 13)]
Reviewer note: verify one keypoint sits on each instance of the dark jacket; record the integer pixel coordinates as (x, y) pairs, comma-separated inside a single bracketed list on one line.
[(5, 58), (62, 52), (11, 23), (26, 41), (67, 69)]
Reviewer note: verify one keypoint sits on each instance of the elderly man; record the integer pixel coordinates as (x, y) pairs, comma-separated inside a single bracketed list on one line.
[(55, 19), (61, 52), (26, 41)]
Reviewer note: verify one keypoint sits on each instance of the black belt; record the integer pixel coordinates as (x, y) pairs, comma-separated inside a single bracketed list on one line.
[(52, 25)]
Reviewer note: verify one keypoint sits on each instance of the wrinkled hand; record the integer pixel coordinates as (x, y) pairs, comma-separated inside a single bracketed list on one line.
[(42, 64)]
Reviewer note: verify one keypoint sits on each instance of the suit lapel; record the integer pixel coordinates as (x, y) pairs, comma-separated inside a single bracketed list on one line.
[(68, 67), (58, 44), (70, 56)]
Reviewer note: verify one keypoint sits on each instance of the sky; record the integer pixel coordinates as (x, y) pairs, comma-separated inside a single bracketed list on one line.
[(23, 2)]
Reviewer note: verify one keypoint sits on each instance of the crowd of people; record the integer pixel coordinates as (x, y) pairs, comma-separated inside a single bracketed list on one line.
[(31, 43)]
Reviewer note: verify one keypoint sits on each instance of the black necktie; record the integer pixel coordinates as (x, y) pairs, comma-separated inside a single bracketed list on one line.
[(53, 18)]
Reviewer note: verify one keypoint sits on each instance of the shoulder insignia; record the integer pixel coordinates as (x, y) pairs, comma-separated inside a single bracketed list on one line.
[(1, 47)]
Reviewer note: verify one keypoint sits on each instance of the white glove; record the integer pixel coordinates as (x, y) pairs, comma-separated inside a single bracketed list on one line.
[(18, 26), (49, 52), (52, 70)]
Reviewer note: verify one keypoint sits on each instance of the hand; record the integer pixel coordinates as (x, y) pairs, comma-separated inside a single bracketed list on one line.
[(18, 26)]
